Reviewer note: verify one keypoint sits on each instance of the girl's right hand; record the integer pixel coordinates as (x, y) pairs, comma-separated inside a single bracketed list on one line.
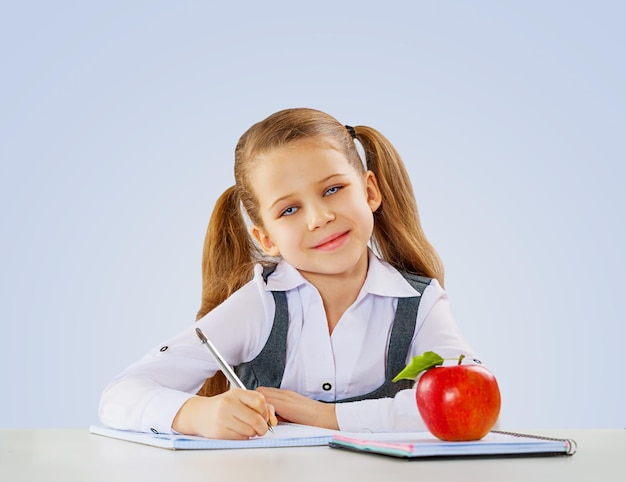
[(234, 414)]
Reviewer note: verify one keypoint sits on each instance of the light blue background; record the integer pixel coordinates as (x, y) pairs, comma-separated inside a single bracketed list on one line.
[(118, 122)]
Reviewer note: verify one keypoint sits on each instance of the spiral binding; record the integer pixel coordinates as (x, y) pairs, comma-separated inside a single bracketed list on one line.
[(571, 444)]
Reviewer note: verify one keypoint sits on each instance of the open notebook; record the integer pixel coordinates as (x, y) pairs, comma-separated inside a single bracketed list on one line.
[(285, 435), (424, 445)]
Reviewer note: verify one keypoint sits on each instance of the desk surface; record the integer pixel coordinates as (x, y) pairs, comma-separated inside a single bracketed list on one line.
[(76, 455)]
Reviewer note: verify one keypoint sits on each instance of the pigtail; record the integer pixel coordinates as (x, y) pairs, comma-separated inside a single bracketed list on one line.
[(229, 252), (398, 235), (228, 259)]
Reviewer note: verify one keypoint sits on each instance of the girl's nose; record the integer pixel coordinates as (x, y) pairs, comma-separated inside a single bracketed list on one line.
[(318, 217)]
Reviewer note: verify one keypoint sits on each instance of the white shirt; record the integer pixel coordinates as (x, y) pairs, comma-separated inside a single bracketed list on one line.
[(149, 393)]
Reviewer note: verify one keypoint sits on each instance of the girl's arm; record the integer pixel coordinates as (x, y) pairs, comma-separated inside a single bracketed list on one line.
[(398, 414), (157, 393), (296, 408)]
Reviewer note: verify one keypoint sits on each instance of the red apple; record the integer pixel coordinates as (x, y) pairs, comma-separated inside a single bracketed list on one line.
[(459, 402), (456, 402)]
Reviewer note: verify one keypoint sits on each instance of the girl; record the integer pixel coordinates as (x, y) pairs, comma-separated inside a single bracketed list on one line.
[(318, 304)]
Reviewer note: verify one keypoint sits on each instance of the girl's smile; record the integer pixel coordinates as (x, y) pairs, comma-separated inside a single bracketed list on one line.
[(332, 242)]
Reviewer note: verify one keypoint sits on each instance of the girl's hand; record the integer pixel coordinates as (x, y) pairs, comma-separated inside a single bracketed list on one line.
[(234, 414), (297, 408)]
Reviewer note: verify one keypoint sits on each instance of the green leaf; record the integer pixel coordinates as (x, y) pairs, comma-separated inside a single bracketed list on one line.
[(418, 364)]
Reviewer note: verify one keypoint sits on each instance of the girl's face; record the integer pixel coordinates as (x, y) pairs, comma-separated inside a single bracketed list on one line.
[(315, 207)]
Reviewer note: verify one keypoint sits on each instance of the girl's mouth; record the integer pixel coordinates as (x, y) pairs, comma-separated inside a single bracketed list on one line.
[(332, 242)]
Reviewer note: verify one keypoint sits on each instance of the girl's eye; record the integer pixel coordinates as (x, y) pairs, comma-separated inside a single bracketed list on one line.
[(289, 211), (332, 190)]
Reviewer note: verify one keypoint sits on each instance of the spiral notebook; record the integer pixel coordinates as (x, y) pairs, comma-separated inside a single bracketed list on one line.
[(425, 446), (285, 435)]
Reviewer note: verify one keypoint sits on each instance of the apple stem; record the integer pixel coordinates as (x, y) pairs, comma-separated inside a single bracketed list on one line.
[(459, 359)]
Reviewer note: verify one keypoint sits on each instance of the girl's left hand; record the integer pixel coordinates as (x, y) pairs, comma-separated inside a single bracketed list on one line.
[(296, 408)]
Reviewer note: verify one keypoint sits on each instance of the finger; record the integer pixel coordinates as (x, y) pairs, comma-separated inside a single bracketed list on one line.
[(253, 424), (257, 413), (272, 395), (245, 412), (268, 391), (271, 416), (244, 421), (251, 399)]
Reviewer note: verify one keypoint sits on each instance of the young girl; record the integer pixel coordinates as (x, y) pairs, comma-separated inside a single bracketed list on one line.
[(318, 304)]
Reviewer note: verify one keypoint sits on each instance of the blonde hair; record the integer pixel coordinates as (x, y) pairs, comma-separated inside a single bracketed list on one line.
[(230, 252)]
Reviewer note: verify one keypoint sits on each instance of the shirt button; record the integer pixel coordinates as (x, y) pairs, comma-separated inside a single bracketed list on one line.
[(163, 348), (326, 386)]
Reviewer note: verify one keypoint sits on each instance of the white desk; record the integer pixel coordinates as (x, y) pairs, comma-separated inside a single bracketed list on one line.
[(76, 455)]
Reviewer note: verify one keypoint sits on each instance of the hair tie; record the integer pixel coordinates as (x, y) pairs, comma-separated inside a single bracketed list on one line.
[(351, 131)]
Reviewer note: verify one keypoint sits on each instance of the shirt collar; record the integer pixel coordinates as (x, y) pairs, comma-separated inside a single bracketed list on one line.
[(382, 279), (385, 280)]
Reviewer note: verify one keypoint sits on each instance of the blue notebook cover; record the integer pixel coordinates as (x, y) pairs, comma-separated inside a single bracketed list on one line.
[(425, 445)]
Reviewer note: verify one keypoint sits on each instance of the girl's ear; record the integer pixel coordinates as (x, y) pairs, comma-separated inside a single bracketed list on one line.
[(374, 196), (267, 245)]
